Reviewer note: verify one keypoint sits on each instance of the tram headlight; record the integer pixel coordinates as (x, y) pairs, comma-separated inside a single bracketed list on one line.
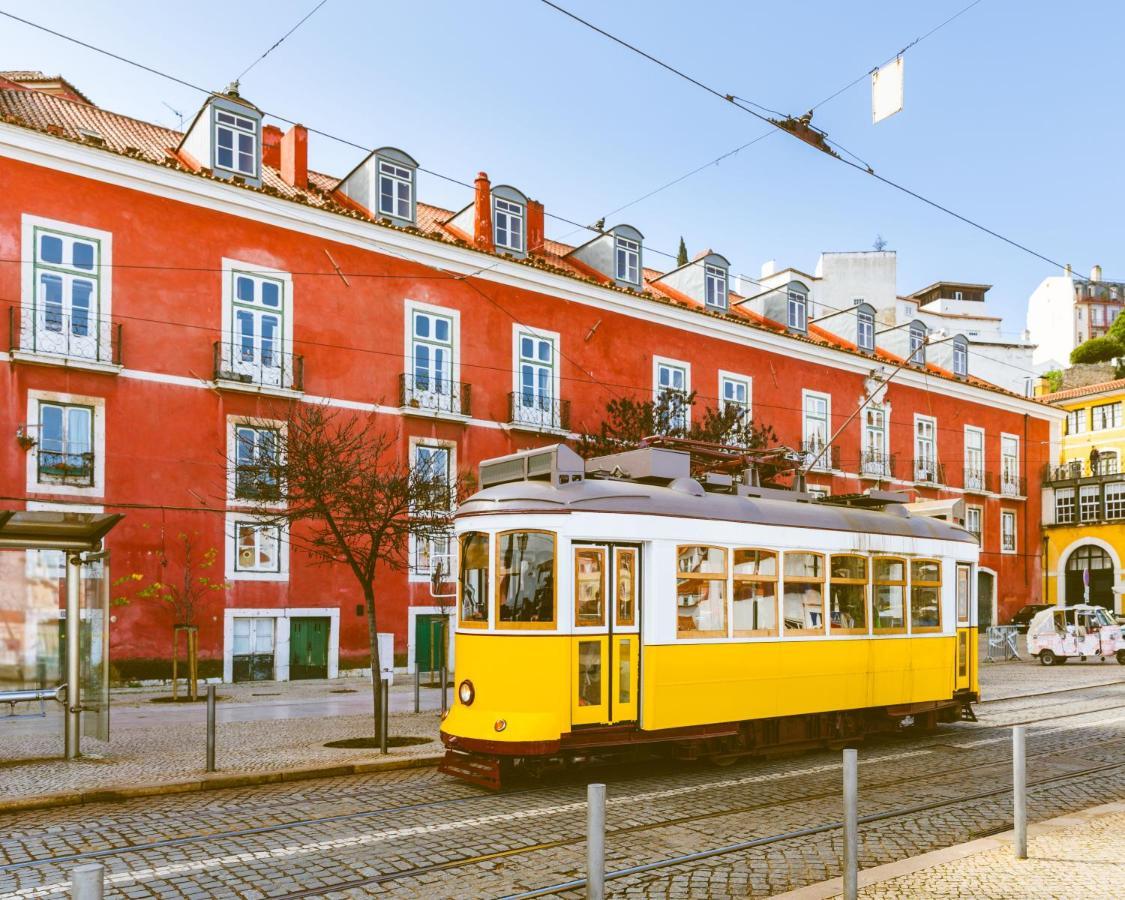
[(466, 693)]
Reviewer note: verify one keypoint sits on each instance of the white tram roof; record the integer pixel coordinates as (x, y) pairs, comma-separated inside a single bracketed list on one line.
[(686, 498)]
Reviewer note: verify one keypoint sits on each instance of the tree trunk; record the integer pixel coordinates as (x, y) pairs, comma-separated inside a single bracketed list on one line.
[(376, 667)]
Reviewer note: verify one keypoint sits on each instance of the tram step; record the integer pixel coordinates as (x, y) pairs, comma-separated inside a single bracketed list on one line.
[(479, 770)]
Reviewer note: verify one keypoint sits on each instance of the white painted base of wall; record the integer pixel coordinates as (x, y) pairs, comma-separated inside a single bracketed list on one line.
[(413, 613), (282, 625)]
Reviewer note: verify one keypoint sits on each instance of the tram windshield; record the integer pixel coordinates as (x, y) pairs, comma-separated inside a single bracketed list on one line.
[(474, 578), (525, 578)]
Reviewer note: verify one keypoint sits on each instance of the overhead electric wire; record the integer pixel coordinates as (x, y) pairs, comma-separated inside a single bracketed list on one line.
[(281, 40)]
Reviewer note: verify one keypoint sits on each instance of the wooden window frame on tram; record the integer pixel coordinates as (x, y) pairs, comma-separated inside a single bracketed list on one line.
[(603, 554), (925, 629), (501, 625), (723, 578), (822, 631), (904, 584), (864, 582), (775, 580), (474, 623)]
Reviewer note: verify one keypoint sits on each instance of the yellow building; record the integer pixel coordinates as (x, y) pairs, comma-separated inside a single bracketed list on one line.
[(1084, 499)]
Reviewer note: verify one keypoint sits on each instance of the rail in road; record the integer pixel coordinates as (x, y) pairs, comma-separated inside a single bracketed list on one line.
[(437, 831)]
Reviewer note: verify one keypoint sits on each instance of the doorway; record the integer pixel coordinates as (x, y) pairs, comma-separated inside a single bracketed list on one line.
[(1089, 567), (308, 647), (986, 599), (253, 648)]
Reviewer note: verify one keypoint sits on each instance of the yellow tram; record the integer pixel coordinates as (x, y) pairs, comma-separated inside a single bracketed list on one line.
[(619, 603)]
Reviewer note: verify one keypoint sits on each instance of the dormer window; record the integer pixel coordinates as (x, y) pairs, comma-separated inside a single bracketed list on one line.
[(957, 295), (236, 143), (960, 358), (716, 293), (917, 352), (628, 255), (797, 317), (865, 328), (508, 216), (396, 190)]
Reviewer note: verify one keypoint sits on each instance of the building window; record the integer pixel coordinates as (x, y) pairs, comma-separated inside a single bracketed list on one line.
[(1007, 531), (671, 390), (1010, 465), (917, 352), (67, 279), (925, 595), (847, 592), (925, 449), (1105, 416), (525, 579), (236, 144), (974, 459), (1097, 315), (1064, 506), (396, 190), (1076, 421), (815, 430), (734, 394), (974, 522), (1115, 500), (890, 595), (432, 463), (256, 463), (535, 401), (960, 359), (66, 444), (428, 553), (431, 354), (958, 295), (876, 461), (803, 600), (628, 253), (715, 286), (701, 592), (257, 328), (755, 593), (509, 224), (257, 547), (797, 310), (865, 329), (1089, 503), (1107, 463)]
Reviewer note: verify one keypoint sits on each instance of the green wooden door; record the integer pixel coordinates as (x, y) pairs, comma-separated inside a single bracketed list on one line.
[(308, 647), (428, 631)]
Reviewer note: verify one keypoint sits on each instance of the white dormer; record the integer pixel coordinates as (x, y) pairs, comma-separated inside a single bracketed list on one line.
[(706, 279), (618, 254), (509, 220), (226, 137), (385, 184)]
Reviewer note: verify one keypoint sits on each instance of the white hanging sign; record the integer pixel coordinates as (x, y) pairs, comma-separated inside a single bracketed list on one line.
[(886, 91)]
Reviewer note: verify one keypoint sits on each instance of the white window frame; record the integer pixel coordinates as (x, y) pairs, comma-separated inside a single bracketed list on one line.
[(513, 211), (825, 461), (230, 553), (663, 362), (716, 290), (414, 573), (735, 378), (979, 510), (961, 359), (231, 268), (931, 421), (1009, 464), (1071, 508), (97, 404), (1089, 490), (797, 310), (233, 424), (865, 324), (400, 176), (916, 346), (448, 403), (974, 485), (235, 128), (531, 416), (1076, 421), (1116, 502), (1114, 416), (1009, 515), (876, 453), (627, 259)]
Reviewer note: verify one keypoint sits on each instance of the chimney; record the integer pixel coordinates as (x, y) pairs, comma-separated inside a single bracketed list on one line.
[(482, 218), (271, 146), (1096, 273), (295, 157), (1067, 271), (535, 227), (769, 267)]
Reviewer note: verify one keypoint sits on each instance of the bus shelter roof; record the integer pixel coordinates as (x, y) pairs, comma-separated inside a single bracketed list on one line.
[(54, 529)]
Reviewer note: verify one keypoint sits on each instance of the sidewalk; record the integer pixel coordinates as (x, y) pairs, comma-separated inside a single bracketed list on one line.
[(1081, 855), (265, 732)]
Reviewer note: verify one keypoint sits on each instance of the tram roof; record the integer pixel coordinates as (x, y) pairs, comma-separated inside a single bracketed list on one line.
[(687, 499)]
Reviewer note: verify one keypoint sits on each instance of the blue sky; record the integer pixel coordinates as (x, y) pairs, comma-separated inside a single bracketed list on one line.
[(1012, 114)]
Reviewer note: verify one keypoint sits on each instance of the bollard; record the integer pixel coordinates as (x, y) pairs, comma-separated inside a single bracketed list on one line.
[(1019, 788), (417, 685), (851, 825), (87, 882), (385, 715), (595, 842), (210, 728)]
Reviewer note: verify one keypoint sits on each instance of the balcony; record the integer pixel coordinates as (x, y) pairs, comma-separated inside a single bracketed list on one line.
[(876, 464), (50, 337), (928, 471), (436, 397), (978, 481), (1077, 470), (817, 458), (64, 466), (538, 413), (1012, 485), (257, 367)]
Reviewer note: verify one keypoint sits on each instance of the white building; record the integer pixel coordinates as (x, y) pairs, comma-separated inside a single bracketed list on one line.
[(1066, 310)]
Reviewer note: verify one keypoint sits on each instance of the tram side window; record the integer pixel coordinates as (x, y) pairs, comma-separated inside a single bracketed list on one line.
[(525, 579), (925, 595), (701, 592), (589, 586), (847, 595), (804, 593), (473, 582), (755, 593), (890, 595)]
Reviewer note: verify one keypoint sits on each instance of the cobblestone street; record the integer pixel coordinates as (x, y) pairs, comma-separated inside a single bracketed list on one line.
[(418, 834)]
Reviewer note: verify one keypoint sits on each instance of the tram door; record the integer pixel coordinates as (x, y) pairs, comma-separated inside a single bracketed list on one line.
[(966, 651), (606, 655)]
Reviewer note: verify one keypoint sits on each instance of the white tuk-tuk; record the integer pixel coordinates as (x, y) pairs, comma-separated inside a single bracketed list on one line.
[(1058, 633)]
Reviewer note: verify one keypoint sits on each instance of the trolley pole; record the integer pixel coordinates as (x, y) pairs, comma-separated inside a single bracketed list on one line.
[(851, 825), (1019, 788), (87, 882), (210, 728), (595, 842)]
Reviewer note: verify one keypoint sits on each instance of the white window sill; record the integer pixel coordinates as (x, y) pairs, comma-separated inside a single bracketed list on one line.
[(257, 576), (535, 428), (423, 412), (250, 387), (66, 362)]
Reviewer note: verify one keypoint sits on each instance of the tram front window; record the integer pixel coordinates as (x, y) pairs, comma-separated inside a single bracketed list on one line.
[(525, 579), (473, 582), (804, 593)]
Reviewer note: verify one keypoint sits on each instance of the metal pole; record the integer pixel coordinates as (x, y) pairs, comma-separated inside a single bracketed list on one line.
[(851, 825), (385, 715), (595, 842), (444, 672), (73, 647), (417, 685), (87, 882), (1019, 788), (210, 728)]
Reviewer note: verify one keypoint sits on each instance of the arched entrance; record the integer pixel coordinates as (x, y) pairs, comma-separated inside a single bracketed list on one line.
[(1089, 566)]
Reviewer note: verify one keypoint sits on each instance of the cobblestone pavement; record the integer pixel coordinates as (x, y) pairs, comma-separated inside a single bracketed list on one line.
[(418, 834)]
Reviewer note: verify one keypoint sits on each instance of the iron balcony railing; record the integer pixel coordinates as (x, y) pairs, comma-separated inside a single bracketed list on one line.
[(1077, 469), (929, 471), (258, 363), (877, 464), (66, 466), (51, 332), (538, 412), (979, 481), (434, 394), (1012, 485), (817, 458)]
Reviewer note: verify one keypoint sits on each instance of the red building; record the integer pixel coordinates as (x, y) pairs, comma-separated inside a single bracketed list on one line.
[(167, 293)]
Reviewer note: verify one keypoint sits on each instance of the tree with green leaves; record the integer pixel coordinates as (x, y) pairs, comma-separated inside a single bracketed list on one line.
[(1097, 349), (681, 254)]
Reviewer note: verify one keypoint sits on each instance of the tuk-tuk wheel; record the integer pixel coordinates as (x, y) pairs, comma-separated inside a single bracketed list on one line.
[(1048, 658), (1121, 657)]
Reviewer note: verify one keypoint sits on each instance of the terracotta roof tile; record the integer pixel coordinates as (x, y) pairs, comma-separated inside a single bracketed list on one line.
[(1085, 390)]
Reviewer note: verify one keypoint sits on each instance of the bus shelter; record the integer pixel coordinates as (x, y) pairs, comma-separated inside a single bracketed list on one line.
[(54, 616)]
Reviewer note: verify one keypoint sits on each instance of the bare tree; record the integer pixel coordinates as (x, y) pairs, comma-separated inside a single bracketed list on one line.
[(343, 484)]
